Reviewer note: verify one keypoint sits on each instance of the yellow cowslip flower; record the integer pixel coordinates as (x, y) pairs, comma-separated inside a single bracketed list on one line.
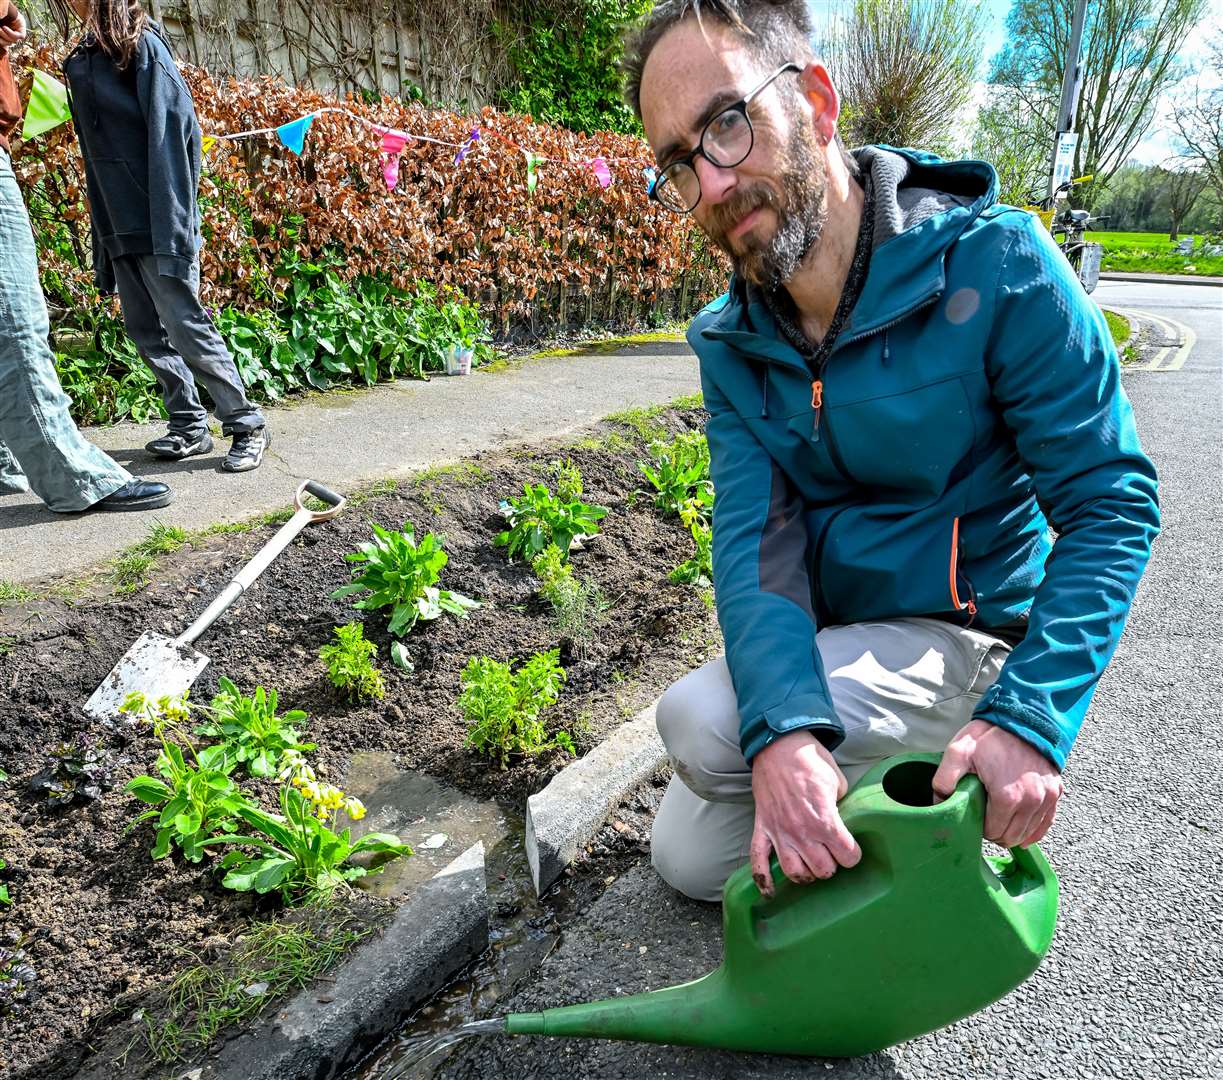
[(354, 808)]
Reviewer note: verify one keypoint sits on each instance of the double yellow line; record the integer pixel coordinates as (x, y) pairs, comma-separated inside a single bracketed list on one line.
[(1169, 357)]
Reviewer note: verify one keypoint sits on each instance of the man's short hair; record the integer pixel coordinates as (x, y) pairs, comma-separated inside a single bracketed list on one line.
[(777, 31)]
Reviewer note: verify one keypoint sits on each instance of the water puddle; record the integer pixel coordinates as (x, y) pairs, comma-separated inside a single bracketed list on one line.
[(438, 822)]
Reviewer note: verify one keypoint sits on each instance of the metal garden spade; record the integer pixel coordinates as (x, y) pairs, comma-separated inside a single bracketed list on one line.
[(156, 665)]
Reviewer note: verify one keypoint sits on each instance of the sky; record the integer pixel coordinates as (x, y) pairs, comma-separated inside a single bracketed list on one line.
[(1156, 146)]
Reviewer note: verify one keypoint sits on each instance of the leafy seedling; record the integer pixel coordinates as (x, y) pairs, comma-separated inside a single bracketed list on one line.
[(502, 707), (538, 518), (76, 773), (402, 574), (250, 729), (350, 666)]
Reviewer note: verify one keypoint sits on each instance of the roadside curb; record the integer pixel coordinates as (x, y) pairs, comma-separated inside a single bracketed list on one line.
[(1162, 279), (569, 811), (1133, 324), (440, 930)]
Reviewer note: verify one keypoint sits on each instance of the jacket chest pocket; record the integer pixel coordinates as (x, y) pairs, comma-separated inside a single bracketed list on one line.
[(919, 440)]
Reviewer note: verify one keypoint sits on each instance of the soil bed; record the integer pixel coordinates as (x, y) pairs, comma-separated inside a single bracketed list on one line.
[(103, 925)]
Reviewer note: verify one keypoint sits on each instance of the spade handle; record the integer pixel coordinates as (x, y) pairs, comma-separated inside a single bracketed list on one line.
[(244, 578)]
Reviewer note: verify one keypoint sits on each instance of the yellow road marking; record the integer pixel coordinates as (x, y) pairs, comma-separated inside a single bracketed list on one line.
[(1183, 339)]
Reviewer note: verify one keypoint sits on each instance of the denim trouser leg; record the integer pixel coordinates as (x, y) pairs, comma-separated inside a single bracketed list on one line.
[(176, 337), (39, 443)]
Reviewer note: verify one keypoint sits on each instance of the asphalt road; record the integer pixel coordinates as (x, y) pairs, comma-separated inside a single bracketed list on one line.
[(1133, 984)]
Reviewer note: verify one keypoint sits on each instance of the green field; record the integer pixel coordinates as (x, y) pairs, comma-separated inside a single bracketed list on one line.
[(1151, 253)]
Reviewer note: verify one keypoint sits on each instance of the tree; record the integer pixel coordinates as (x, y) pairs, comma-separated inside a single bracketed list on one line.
[(1182, 188), (905, 69), (1198, 118), (1006, 138), (1128, 57)]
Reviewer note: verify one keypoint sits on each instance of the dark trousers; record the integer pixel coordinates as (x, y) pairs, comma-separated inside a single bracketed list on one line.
[(178, 341)]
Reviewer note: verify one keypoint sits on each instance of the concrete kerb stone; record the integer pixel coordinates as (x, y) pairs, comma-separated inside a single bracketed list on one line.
[(434, 934), (563, 817)]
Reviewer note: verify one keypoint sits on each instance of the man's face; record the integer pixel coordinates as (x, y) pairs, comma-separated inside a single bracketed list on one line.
[(768, 211)]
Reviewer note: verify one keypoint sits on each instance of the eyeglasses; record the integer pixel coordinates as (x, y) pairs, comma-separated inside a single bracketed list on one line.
[(725, 142)]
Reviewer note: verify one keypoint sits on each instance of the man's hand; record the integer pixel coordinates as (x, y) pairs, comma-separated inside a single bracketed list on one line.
[(1022, 785), (12, 33), (796, 785)]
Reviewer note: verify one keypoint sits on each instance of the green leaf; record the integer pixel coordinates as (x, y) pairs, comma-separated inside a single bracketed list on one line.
[(148, 789)]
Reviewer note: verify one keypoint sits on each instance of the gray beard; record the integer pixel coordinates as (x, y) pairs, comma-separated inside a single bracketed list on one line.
[(800, 223)]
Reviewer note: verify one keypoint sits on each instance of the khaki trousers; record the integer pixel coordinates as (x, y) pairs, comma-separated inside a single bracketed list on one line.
[(897, 686)]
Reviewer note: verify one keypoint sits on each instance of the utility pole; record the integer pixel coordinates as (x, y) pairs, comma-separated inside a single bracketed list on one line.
[(1065, 138)]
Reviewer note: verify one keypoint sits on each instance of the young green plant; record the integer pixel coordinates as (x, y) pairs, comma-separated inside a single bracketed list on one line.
[(350, 665), (537, 518), (249, 728), (577, 606), (697, 570), (402, 574), (502, 706), (679, 471)]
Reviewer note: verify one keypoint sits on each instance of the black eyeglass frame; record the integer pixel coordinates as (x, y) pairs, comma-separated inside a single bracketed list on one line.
[(689, 159)]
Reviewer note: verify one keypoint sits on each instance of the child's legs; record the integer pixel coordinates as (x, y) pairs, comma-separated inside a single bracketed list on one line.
[(187, 416), (196, 340)]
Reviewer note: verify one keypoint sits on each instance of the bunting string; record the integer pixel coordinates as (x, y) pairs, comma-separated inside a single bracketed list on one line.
[(48, 108)]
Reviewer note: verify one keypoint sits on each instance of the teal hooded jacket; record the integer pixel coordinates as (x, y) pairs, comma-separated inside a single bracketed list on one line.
[(971, 408)]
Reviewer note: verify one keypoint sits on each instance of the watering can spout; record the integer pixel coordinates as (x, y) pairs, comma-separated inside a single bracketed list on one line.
[(923, 931), (695, 1008)]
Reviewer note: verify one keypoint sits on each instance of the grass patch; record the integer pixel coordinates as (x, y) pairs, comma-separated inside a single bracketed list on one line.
[(373, 491), (7, 642), (1118, 326), (162, 539), (12, 592), (1151, 253), (642, 422), (462, 473), (130, 571), (690, 401), (206, 998), (602, 346)]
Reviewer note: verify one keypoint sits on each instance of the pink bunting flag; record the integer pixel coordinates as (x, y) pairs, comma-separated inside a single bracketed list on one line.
[(602, 173), (393, 143), (472, 139)]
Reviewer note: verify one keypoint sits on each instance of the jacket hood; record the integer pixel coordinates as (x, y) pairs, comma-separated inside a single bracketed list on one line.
[(922, 206)]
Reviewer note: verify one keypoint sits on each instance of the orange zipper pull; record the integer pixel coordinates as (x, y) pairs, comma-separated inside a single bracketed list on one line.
[(817, 400)]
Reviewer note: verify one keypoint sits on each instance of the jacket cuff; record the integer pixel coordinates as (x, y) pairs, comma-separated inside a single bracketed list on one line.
[(175, 266), (1006, 711), (809, 712)]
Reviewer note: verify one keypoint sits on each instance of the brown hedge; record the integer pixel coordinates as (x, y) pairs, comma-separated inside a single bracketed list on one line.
[(474, 226)]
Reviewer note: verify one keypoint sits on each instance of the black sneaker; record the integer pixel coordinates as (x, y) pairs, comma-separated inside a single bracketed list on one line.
[(176, 446), (246, 453), (136, 495)]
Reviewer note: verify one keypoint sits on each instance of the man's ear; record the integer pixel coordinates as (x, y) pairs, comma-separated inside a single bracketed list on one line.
[(816, 86)]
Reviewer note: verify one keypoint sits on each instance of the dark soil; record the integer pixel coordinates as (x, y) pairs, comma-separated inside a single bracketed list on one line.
[(103, 924)]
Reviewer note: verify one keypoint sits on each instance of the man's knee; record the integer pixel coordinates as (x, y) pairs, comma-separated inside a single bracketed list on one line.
[(697, 718), (679, 865)]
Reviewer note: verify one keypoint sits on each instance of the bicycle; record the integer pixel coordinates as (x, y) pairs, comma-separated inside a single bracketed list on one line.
[(1083, 255)]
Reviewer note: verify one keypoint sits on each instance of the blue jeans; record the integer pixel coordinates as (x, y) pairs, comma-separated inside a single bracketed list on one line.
[(40, 446)]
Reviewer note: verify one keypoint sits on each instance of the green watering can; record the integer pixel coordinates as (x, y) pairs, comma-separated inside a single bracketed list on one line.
[(923, 931)]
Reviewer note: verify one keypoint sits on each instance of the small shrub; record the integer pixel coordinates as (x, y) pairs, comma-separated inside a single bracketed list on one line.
[(17, 978), (538, 518), (5, 899), (350, 665), (679, 471), (402, 575), (77, 772), (697, 570), (568, 478), (249, 728), (577, 606), (502, 707)]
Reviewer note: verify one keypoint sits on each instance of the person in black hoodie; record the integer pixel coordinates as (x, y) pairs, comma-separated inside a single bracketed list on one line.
[(140, 140)]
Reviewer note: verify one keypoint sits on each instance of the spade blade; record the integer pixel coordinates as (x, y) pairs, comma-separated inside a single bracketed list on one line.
[(155, 666)]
